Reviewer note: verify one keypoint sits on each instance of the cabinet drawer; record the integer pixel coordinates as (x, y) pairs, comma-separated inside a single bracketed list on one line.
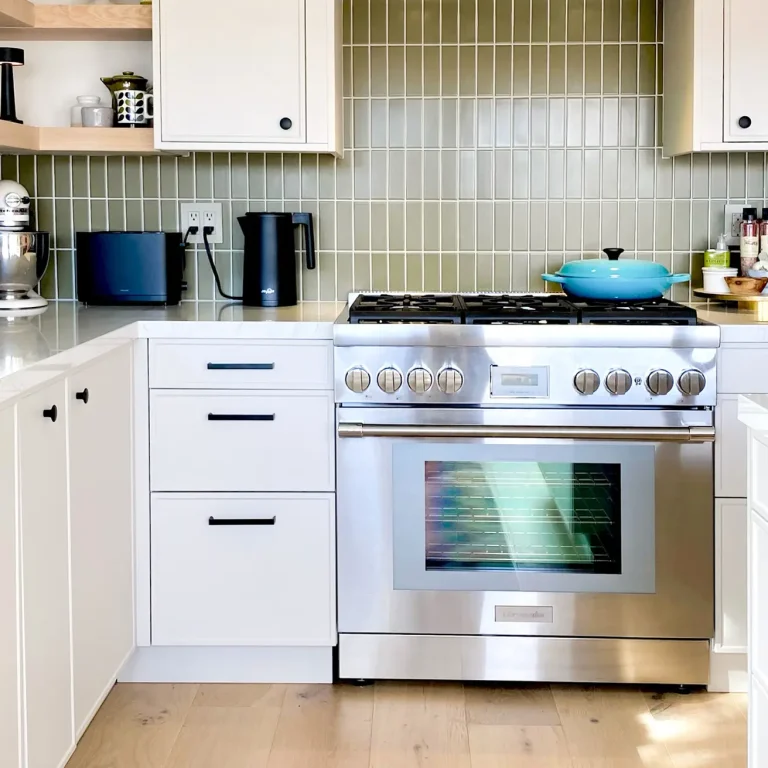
[(730, 449), (241, 441), (243, 570), (241, 365)]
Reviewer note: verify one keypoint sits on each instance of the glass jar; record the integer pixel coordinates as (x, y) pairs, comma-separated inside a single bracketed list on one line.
[(76, 114)]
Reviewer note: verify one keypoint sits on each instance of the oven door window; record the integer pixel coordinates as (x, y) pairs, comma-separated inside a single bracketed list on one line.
[(532, 518)]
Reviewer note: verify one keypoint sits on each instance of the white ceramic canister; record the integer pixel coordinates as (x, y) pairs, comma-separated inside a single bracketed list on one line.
[(714, 278)]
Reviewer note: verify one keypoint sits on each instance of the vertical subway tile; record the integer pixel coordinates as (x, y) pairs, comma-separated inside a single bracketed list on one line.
[(611, 20), (504, 21), (521, 70), (573, 173), (115, 177), (737, 175), (592, 173), (449, 217), (557, 70), (593, 21), (557, 20), (467, 22), (593, 69), (609, 224), (413, 71), (629, 83), (522, 21), (431, 63), (628, 173), (80, 186), (150, 176), (133, 177), (503, 70), (467, 213), (539, 21), (81, 216), (628, 123), (575, 30), (591, 227), (611, 70), (62, 176), (610, 175), (203, 175), (539, 73), (573, 222)]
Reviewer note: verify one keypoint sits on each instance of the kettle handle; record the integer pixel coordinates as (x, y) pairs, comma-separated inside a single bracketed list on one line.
[(305, 219)]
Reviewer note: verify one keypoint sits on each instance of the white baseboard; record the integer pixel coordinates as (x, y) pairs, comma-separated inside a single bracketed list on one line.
[(161, 664), (728, 672)]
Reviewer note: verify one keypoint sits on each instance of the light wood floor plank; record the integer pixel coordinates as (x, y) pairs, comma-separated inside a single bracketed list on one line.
[(512, 746), (701, 730), (324, 726), (511, 705), (240, 695), (226, 737), (135, 728), (419, 725), (609, 728)]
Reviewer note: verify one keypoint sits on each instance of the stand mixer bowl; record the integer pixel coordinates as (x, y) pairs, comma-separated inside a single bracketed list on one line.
[(23, 261)]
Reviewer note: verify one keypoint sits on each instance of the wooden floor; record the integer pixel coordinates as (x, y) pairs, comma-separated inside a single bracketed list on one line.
[(394, 725)]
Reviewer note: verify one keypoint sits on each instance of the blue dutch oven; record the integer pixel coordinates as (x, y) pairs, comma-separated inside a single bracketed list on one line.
[(614, 280)]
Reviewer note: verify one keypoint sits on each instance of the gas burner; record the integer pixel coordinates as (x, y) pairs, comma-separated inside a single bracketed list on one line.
[(517, 309), (654, 312), (406, 308)]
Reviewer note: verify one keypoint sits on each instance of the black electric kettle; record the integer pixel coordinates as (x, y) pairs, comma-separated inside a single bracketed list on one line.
[(269, 267)]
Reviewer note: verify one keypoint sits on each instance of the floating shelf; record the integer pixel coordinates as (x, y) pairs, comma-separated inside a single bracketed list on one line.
[(76, 141), (22, 20)]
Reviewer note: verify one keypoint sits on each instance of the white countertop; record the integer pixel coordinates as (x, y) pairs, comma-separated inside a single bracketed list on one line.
[(65, 325)]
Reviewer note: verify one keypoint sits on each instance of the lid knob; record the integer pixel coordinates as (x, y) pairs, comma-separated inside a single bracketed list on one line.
[(613, 253)]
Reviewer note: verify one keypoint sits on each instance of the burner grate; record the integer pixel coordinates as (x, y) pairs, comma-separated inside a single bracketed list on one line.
[(655, 312), (517, 309), (406, 308)]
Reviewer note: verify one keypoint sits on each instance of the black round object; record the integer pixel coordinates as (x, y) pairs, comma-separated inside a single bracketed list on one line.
[(51, 413), (745, 121), (85, 396), (613, 253), (749, 214), (286, 123), (13, 56)]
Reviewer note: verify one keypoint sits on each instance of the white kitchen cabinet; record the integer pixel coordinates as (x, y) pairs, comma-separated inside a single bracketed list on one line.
[(101, 528), (239, 440), (256, 75), (731, 526), (730, 450), (42, 461), (714, 55), (242, 569), (10, 748)]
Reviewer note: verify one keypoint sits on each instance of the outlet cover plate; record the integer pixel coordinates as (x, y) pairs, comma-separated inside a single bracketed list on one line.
[(187, 209), (732, 224)]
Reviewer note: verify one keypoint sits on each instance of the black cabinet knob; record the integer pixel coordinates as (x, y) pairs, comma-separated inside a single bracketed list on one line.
[(745, 122), (51, 413), (85, 396), (286, 123)]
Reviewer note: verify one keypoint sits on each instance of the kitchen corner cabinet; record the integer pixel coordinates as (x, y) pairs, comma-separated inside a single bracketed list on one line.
[(714, 57), (101, 527), (10, 748), (42, 462), (257, 75)]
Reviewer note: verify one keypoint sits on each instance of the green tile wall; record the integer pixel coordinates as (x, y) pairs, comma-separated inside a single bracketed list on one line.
[(487, 141)]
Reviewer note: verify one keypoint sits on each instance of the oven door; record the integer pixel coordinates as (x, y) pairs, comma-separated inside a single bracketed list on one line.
[(504, 521)]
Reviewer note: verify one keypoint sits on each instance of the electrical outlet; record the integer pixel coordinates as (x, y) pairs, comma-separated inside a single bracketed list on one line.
[(202, 215), (732, 224)]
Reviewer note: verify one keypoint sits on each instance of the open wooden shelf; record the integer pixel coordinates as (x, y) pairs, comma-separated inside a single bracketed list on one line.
[(76, 141), (22, 20)]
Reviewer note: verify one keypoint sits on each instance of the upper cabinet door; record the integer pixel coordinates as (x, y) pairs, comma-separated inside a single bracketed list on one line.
[(232, 71), (746, 61), (101, 510)]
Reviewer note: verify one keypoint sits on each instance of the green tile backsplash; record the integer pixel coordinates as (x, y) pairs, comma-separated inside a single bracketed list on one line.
[(486, 142)]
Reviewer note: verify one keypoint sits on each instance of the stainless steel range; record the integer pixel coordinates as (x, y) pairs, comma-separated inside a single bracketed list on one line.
[(525, 489)]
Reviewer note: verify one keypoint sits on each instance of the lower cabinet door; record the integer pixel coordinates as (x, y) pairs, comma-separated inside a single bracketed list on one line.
[(10, 754), (101, 527), (42, 457), (731, 526), (243, 569)]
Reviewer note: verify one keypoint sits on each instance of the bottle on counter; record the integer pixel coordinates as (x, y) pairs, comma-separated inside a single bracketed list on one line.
[(749, 240), (720, 256), (764, 231)]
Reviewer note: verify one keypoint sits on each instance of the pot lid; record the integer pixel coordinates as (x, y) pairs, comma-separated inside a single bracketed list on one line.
[(613, 267)]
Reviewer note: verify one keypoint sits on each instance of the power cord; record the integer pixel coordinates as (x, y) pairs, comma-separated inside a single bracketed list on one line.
[(209, 231), (190, 231)]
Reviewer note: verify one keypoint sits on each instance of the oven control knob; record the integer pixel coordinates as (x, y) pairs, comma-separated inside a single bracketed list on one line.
[(358, 380), (660, 382), (692, 383), (618, 382), (390, 380), (586, 382), (450, 381), (419, 380)]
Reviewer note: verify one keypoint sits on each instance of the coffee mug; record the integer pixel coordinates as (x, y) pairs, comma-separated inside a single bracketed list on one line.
[(98, 117), (134, 108)]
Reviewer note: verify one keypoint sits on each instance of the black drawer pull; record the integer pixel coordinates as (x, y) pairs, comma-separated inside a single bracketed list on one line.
[(242, 521), (85, 396), (241, 417), (241, 366), (51, 413)]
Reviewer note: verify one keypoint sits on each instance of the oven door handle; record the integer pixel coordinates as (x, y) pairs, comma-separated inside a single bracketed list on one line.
[(480, 431)]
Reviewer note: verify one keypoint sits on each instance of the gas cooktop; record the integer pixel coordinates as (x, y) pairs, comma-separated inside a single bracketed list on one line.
[(513, 309)]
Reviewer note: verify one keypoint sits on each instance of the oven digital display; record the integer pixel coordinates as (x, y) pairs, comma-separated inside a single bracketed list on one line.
[(522, 381)]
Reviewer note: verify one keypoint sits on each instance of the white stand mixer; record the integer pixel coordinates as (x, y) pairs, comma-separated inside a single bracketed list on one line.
[(23, 254)]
